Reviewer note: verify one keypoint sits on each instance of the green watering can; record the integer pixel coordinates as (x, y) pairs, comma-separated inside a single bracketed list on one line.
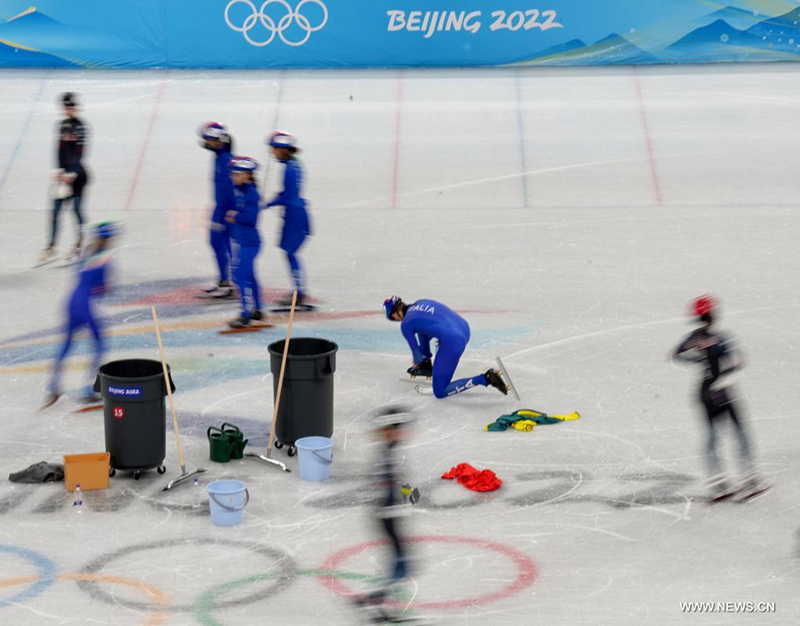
[(220, 446), (236, 438)]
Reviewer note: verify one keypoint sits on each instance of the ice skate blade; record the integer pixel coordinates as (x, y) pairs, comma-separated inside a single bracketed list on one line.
[(89, 407), (44, 262), (48, 404), (252, 328), (300, 308), (507, 378), (419, 380), (206, 299), (753, 494)]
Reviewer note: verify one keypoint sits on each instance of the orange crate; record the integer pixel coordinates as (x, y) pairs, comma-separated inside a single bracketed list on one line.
[(90, 470)]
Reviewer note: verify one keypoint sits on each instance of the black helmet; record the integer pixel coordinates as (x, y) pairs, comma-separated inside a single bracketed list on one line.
[(69, 99)]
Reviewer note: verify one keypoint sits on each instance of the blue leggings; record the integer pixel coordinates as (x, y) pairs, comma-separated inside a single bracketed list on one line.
[(297, 274), (291, 242), (245, 277), (76, 323), (444, 366), (221, 244)]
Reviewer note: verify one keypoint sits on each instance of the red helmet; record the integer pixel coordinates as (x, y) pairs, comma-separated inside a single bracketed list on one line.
[(702, 305)]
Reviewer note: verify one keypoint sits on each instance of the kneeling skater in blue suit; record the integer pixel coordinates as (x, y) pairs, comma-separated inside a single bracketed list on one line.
[(244, 219), (424, 320)]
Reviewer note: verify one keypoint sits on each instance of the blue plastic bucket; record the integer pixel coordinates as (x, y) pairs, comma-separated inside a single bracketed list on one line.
[(228, 499), (315, 455)]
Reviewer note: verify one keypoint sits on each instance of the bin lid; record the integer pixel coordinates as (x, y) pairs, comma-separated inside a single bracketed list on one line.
[(304, 348), (134, 370)]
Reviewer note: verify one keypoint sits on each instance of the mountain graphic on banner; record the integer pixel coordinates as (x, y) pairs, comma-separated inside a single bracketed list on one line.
[(718, 32), (60, 44), (611, 50), (739, 18), (780, 33), (773, 38), (17, 37), (567, 46)]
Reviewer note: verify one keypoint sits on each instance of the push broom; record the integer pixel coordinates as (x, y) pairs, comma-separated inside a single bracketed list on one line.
[(184, 474), (266, 458)]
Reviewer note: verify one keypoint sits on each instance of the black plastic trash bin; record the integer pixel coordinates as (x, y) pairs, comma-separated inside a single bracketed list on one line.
[(133, 393), (306, 408)]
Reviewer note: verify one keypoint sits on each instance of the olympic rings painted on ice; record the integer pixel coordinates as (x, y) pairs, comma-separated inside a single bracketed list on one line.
[(205, 603), (292, 16), (284, 577), (526, 571), (46, 577), (156, 594)]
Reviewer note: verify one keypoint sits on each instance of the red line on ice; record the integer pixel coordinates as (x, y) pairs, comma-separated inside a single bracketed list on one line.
[(648, 140), (153, 117)]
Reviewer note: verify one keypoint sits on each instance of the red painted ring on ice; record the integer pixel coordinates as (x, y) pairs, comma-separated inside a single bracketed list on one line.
[(526, 571)]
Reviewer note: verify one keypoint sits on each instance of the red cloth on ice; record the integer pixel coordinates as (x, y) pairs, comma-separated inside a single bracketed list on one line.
[(471, 478)]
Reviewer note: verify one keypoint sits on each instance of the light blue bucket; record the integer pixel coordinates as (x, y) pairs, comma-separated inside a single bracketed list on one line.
[(315, 455), (228, 499)]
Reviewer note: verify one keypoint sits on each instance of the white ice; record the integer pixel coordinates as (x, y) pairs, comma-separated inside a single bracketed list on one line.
[(570, 214)]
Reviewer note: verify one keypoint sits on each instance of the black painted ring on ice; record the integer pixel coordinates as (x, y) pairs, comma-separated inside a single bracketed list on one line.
[(284, 562)]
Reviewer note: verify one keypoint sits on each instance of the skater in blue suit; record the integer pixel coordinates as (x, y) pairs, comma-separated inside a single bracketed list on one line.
[(244, 221), (296, 224), (424, 320), (215, 137), (93, 282)]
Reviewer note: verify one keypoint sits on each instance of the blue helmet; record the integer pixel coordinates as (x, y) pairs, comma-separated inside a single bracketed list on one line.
[(107, 229), (243, 164), (390, 305), (214, 131)]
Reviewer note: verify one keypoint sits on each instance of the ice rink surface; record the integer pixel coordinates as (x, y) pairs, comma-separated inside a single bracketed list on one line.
[(569, 214)]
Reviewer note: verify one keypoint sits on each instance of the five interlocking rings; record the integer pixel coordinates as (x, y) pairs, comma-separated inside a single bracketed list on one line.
[(292, 16)]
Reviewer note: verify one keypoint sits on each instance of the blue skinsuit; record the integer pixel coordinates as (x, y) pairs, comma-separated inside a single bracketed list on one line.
[(93, 278), (224, 201), (245, 233), (427, 319), (296, 225)]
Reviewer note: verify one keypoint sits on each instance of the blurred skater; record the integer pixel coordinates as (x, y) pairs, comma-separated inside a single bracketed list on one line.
[(715, 352), (424, 320), (216, 138), (93, 281), (244, 220), (71, 177), (296, 225), (391, 426)]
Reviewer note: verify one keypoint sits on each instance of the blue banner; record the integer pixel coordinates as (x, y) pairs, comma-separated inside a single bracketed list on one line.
[(392, 33)]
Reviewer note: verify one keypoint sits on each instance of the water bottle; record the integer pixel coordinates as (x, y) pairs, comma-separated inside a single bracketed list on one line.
[(77, 503), (196, 493)]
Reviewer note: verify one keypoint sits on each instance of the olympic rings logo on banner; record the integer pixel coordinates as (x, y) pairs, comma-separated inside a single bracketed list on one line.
[(292, 16)]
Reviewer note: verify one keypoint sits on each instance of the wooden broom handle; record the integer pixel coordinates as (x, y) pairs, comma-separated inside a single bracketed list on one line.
[(181, 459), (280, 376)]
